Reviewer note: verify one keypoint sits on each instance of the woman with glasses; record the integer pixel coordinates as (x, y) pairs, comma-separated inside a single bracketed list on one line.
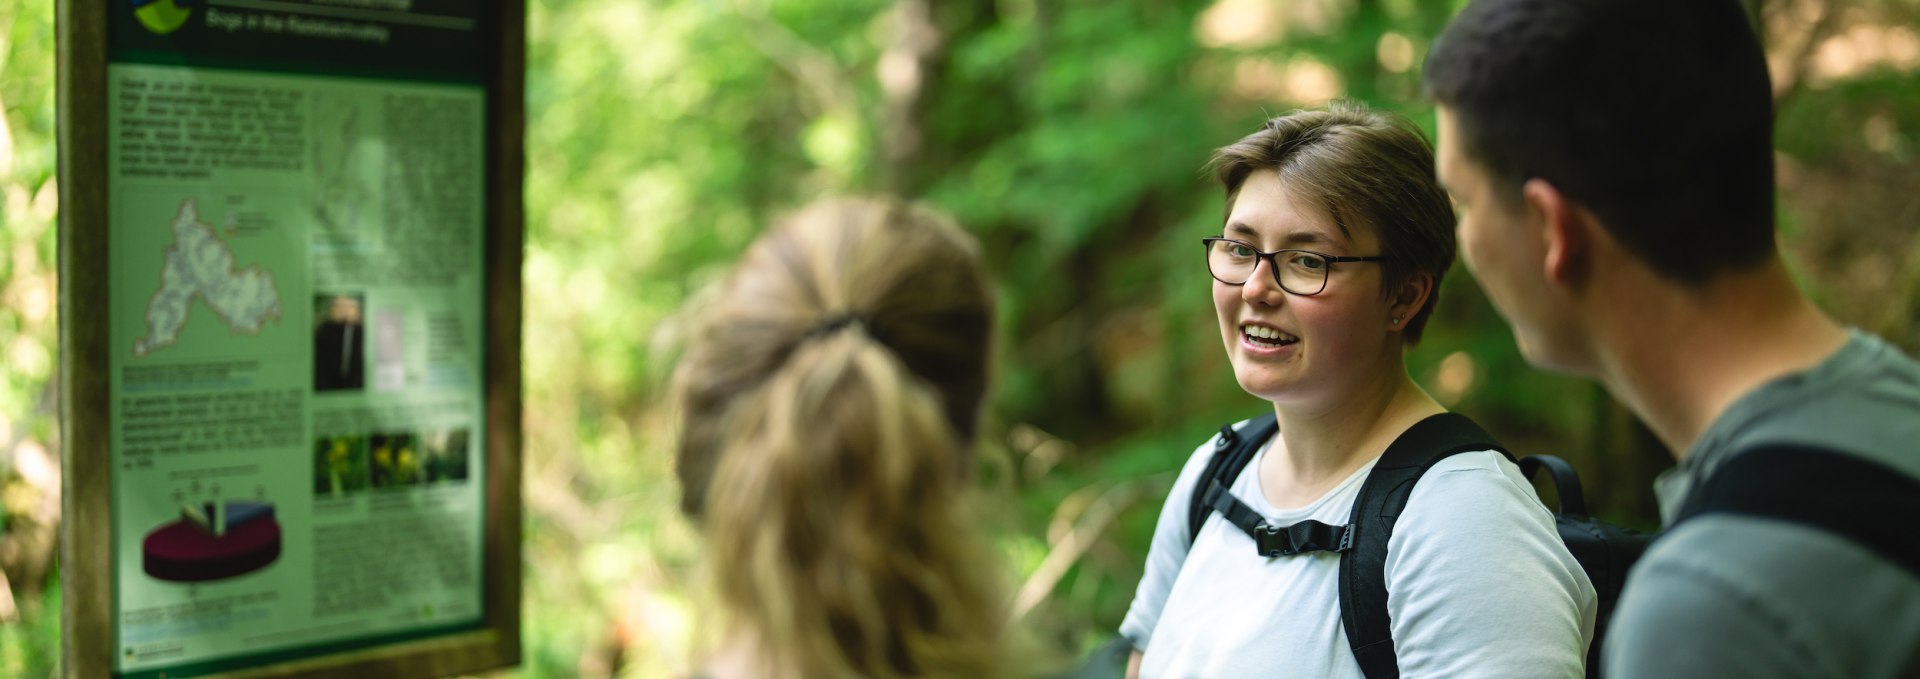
[(1328, 265)]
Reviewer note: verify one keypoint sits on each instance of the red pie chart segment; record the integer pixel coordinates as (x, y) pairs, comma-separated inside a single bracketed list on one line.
[(182, 551)]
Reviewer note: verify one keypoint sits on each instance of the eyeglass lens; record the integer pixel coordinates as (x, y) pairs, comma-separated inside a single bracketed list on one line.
[(1298, 272)]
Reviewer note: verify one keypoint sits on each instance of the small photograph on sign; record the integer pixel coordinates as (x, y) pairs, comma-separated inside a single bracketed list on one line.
[(339, 342), (339, 465), (389, 350), (445, 455), (396, 460)]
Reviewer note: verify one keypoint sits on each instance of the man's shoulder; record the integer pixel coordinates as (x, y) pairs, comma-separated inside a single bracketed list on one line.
[(1753, 552), (1767, 568), (1722, 588), (1864, 403)]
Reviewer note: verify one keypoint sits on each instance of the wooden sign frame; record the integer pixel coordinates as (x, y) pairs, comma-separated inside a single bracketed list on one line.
[(88, 644)]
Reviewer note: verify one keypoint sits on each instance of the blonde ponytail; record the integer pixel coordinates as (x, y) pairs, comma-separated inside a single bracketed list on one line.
[(828, 401)]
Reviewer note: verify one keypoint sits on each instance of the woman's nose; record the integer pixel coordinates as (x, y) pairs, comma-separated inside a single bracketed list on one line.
[(1260, 287)]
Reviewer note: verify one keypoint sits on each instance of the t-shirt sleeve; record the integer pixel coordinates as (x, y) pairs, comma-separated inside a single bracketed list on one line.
[(1656, 629), (1725, 595), (1478, 582), (1166, 553)]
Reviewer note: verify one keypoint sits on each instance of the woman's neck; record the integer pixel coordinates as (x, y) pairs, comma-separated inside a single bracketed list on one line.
[(1323, 445)]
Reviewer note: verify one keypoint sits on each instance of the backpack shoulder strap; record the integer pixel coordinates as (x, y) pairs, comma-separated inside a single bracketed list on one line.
[(1866, 502), (1231, 453), (1363, 571)]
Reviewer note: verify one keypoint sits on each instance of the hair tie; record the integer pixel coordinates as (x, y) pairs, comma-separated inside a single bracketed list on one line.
[(833, 324)]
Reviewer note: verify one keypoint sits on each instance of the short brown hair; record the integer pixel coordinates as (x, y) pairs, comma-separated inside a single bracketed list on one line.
[(1364, 167)]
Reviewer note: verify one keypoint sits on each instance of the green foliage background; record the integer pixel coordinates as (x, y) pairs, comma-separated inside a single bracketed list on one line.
[(1069, 135)]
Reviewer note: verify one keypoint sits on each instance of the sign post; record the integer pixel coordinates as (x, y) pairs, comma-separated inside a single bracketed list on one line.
[(290, 249)]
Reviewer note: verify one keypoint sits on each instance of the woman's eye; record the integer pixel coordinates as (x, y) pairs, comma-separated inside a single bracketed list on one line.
[(1309, 262), (1238, 250)]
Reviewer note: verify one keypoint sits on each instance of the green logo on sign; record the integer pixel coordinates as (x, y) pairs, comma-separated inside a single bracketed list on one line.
[(163, 16)]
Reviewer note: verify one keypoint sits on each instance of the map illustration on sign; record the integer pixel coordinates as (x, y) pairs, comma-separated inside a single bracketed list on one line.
[(200, 266), (212, 541)]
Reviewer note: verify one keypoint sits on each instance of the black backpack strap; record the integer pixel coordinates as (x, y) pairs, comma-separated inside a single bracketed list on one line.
[(1605, 551), (1566, 483), (1869, 503), (1271, 540), (1231, 453), (1363, 570)]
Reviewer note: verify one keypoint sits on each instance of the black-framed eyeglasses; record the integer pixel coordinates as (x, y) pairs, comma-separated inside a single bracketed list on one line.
[(1301, 272)]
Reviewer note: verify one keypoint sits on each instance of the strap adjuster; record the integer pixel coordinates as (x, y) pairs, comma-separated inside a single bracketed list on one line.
[(1304, 536), (1271, 541)]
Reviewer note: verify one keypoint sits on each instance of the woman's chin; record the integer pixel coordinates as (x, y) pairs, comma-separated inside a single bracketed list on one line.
[(1267, 387)]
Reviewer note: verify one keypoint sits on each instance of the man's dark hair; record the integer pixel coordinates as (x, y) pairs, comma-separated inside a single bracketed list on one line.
[(1655, 114)]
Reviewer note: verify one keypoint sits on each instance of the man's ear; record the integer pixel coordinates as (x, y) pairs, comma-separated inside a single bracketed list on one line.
[(1409, 297), (1565, 232)]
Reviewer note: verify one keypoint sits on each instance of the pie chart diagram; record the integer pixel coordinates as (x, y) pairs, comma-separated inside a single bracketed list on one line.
[(212, 542)]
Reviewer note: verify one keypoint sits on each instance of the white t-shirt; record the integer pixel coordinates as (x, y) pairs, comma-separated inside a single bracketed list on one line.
[(1478, 584)]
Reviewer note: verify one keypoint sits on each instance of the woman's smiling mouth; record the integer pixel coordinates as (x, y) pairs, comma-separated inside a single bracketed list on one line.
[(1265, 336)]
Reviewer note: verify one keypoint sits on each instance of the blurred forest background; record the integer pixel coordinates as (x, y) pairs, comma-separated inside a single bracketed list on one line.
[(1068, 135)]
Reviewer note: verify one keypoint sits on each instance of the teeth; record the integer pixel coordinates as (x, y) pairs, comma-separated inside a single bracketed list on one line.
[(1263, 332)]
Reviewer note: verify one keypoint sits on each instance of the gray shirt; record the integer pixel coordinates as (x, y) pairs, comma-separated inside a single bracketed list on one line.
[(1736, 596)]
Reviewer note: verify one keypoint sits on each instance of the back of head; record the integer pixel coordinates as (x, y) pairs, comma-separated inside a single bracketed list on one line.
[(1657, 115), (828, 398), (1368, 170)]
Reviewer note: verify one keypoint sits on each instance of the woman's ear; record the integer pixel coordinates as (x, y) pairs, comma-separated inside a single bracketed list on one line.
[(1409, 297)]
